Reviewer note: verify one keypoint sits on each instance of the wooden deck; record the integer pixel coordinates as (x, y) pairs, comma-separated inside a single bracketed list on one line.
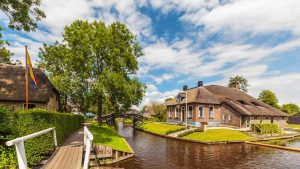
[(69, 155)]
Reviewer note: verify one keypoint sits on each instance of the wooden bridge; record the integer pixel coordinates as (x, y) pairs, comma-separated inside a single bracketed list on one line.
[(137, 117)]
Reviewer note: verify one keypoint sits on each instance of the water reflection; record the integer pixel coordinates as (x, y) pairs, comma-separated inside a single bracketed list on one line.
[(156, 152)]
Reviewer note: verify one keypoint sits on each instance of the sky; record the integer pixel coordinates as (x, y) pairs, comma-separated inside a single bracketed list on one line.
[(185, 41)]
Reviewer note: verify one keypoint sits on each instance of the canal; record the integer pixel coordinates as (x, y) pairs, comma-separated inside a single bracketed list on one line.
[(154, 152)]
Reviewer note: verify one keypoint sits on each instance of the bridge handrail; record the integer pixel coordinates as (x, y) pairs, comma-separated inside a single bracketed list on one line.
[(88, 142), (19, 143)]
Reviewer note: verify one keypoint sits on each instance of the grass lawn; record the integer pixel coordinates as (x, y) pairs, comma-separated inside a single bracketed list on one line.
[(128, 121), (219, 135), (160, 128), (293, 126), (106, 135)]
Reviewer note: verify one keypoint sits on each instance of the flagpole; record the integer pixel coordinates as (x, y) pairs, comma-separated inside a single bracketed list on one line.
[(26, 75)]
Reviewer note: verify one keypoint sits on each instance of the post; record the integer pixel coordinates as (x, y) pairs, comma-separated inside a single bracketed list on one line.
[(26, 77), (186, 109), (22, 161), (87, 154), (54, 136)]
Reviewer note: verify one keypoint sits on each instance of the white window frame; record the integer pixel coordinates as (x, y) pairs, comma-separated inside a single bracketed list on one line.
[(201, 115), (190, 113), (229, 117), (224, 117), (211, 114), (170, 112), (176, 113)]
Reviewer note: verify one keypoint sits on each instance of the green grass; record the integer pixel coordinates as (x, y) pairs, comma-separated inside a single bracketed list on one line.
[(160, 128), (294, 126), (128, 121), (219, 135), (106, 135)]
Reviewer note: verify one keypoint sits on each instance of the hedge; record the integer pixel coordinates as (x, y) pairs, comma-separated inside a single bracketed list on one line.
[(190, 132), (265, 128), (23, 123)]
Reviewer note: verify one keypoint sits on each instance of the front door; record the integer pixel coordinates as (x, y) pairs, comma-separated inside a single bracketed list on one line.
[(182, 115)]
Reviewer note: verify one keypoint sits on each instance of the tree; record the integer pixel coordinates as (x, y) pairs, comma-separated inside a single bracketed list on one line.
[(22, 14), (5, 54), (269, 97), (241, 80), (96, 64), (168, 99), (159, 109), (290, 108)]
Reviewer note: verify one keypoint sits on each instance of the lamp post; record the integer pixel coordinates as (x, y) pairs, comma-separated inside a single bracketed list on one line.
[(186, 108)]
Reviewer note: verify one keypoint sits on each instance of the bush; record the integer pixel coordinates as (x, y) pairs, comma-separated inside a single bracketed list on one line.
[(24, 123), (265, 128), (190, 132)]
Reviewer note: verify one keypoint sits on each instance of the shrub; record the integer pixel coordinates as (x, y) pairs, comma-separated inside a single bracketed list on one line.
[(190, 132), (265, 128), (24, 123), (8, 157)]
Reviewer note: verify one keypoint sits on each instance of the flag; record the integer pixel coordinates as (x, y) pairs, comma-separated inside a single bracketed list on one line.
[(30, 70)]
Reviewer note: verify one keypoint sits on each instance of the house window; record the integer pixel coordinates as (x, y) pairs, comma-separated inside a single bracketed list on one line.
[(176, 113), (229, 117), (211, 112), (201, 112), (224, 117), (30, 106), (170, 112), (190, 112), (282, 117), (255, 117)]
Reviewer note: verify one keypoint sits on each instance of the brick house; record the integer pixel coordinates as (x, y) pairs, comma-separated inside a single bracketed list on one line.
[(220, 105), (12, 89)]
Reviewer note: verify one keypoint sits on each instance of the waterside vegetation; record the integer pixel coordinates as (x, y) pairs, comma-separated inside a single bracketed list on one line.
[(160, 128)]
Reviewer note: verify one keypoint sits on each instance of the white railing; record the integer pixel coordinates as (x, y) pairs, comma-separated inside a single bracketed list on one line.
[(19, 142), (88, 142)]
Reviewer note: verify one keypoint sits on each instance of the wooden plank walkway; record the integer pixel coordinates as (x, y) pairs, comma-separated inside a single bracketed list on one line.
[(69, 155)]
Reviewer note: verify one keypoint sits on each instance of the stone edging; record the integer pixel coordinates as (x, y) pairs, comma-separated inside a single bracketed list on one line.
[(274, 146), (194, 141)]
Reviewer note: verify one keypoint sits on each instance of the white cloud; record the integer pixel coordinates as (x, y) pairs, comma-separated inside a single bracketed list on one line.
[(255, 16)]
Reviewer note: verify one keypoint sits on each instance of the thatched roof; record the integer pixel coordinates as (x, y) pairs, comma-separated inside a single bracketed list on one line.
[(238, 100), (12, 85)]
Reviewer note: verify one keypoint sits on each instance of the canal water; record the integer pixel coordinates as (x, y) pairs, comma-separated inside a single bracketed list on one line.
[(154, 152)]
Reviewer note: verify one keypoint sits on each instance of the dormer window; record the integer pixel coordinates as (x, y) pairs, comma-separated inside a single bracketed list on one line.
[(255, 103), (242, 102)]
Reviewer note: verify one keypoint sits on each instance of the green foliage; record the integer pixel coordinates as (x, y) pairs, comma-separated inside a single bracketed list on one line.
[(96, 64), (265, 128), (290, 109), (23, 15), (24, 123), (168, 99), (8, 157), (160, 111), (107, 135), (190, 132), (241, 80), (268, 97), (5, 54)]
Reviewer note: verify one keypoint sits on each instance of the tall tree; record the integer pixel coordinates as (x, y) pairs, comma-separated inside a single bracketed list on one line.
[(5, 54), (290, 108), (241, 80), (100, 64), (22, 14), (269, 97)]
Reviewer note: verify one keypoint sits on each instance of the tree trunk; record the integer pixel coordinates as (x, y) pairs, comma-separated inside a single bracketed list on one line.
[(99, 105)]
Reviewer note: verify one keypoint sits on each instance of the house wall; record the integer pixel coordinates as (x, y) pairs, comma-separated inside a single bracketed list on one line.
[(195, 119), (52, 104), (227, 111), (280, 120)]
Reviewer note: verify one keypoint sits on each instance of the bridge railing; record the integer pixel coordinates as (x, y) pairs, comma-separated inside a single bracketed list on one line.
[(88, 142), (19, 143)]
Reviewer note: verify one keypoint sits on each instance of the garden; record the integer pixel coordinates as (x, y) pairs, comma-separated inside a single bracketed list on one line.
[(19, 123)]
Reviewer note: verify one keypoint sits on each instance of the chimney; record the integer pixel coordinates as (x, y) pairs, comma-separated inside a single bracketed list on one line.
[(200, 83), (234, 85), (185, 87)]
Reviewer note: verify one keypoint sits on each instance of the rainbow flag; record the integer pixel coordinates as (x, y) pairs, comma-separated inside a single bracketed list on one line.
[(30, 70)]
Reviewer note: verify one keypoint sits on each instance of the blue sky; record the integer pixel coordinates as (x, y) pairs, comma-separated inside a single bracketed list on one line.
[(186, 41)]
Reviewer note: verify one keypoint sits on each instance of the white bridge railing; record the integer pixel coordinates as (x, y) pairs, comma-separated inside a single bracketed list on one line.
[(19, 143), (88, 142)]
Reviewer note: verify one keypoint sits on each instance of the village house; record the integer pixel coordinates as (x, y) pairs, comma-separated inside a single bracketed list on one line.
[(294, 119), (12, 89), (220, 105)]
